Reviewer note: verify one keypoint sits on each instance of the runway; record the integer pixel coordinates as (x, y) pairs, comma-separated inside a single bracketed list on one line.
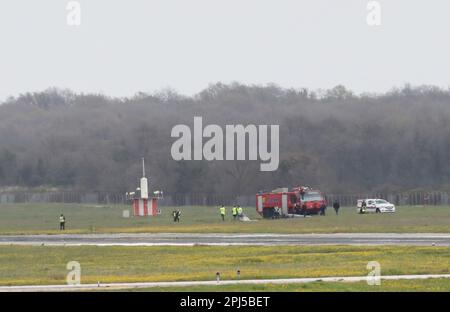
[(192, 239)]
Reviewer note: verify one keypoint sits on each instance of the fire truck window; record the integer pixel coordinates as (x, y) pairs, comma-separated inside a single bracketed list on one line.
[(312, 197)]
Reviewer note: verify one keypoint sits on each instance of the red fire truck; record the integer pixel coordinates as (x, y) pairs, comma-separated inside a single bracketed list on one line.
[(300, 200)]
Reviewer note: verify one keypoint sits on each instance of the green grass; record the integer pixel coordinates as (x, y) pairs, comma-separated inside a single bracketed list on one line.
[(43, 218), (28, 265), (429, 285)]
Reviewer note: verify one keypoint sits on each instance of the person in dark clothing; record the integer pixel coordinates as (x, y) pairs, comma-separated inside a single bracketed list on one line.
[(363, 207), (62, 222), (322, 210), (336, 207), (276, 214), (174, 215), (297, 208), (304, 211), (178, 215)]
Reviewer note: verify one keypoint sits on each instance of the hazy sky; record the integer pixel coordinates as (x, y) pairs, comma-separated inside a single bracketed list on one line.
[(122, 47)]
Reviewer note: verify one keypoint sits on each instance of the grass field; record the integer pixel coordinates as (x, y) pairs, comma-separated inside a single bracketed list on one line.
[(429, 285), (43, 218), (29, 265)]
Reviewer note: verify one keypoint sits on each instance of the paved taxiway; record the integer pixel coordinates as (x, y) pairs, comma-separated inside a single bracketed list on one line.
[(191, 239)]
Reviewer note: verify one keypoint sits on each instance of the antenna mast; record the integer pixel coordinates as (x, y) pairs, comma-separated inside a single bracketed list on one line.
[(143, 167)]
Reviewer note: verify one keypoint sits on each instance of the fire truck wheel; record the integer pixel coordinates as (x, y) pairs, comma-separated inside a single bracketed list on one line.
[(269, 213)]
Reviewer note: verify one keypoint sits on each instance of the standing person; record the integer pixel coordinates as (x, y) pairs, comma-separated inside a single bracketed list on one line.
[(336, 206), (178, 215), (240, 211), (62, 222), (297, 208), (222, 212), (276, 214), (234, 212), (174, 215), (363, 207), (304, 211), (302, 193), (322, 210)]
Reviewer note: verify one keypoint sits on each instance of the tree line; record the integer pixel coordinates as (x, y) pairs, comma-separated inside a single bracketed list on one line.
[(332, 139)]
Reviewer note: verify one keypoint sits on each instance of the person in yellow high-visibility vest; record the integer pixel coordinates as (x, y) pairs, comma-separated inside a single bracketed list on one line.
[(240, 211), (234, 210), (222, 212)]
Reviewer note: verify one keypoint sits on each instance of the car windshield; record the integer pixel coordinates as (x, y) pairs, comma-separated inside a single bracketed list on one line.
[(381, 201), (312, 197)]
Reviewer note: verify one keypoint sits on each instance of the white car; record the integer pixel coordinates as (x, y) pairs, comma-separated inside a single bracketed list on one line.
[(374, 205)]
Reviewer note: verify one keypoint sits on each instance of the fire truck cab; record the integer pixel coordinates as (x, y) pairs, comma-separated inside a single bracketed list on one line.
[(300, 200)]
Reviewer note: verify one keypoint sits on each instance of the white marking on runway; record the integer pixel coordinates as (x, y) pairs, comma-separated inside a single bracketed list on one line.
[(86, 287), (214, 239)]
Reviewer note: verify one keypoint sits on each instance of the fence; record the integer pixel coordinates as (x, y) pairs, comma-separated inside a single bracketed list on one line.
[(402, 199), (203, 199), (63, 197)]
